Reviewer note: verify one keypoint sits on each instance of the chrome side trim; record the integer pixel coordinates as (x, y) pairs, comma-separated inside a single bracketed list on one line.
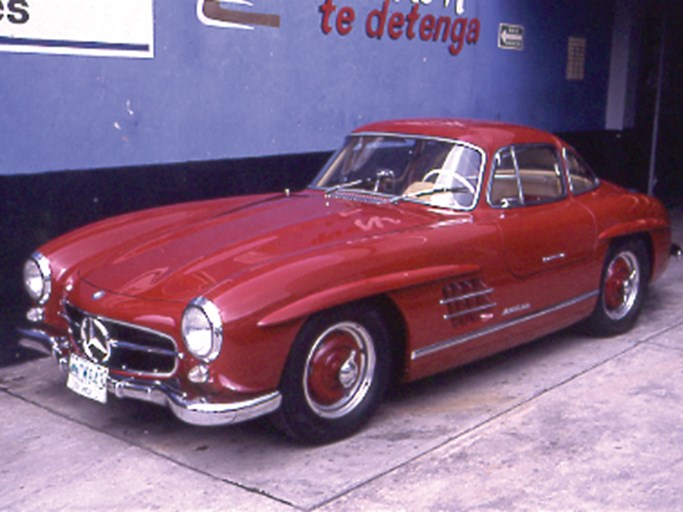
[(469, 311), (459, 340), (473, 295)]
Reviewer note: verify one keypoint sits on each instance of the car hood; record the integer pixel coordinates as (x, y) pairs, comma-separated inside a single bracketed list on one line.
[(184, 251)]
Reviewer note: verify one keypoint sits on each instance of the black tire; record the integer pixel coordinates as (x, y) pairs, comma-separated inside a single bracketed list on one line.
[(336, 375), (623, 286)]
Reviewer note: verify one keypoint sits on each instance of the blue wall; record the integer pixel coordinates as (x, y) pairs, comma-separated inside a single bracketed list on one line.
[(221, 93)]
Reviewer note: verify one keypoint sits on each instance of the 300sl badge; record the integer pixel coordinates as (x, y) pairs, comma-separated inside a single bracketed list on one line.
[(516, 309)]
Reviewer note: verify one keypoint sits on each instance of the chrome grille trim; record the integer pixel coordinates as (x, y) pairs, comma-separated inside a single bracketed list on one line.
[(130, 353)]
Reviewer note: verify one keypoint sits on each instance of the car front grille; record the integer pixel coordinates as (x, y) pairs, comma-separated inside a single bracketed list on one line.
[(132, 348)]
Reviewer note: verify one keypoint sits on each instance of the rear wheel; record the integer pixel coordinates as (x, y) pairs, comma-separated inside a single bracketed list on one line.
[(622, 291), (335, 376)]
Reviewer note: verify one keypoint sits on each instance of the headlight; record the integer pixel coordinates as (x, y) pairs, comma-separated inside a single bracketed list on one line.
[(202, 329), (38, 278)]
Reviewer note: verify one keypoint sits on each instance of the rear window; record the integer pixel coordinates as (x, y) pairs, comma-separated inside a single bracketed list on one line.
[(581, 177)]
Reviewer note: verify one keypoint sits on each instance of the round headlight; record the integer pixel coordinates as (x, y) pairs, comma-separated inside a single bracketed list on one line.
[(38, 278), (202, 329)]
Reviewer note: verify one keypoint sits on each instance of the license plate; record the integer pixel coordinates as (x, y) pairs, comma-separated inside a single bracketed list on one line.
[(87, 379)]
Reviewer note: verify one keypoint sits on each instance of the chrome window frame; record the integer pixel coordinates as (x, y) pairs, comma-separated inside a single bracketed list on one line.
[(390, 197), (565, 162), (522, 204)]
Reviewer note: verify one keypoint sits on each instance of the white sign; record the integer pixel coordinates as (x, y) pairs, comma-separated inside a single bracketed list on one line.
[(510, 37), (111, 28)]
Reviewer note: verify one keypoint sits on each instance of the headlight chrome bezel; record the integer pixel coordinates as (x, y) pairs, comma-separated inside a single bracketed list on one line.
[(37, 267), (202, 319)]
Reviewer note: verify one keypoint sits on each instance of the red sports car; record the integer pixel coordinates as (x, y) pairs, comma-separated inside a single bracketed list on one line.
[(422, 245)]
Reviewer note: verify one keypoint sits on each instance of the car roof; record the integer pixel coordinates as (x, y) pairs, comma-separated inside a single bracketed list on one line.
[(489, 135)]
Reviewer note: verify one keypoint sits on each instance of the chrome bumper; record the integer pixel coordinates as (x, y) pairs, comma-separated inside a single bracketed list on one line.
[(195, 412)]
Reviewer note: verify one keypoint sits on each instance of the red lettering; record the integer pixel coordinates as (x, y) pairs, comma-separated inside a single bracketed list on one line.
[(345, 20), (473, 31), (458, 32), (427, 27), (412, 17), (377, 20), (396, 25), (443, 26), (327, 9)]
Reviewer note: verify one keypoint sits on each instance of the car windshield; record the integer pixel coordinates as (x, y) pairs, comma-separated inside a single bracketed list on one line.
[(434, 171)]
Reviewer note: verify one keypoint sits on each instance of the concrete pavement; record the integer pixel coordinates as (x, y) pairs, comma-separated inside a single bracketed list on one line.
[(567, 422)]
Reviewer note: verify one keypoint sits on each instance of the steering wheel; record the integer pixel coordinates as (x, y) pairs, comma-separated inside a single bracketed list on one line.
[(384, 177), (449, 172)]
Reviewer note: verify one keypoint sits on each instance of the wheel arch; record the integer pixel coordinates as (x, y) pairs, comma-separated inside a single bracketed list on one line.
[(643, 236), (394, 322)]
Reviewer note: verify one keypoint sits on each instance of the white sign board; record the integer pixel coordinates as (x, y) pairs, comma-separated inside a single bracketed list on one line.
[(510, 37), (111, 28)]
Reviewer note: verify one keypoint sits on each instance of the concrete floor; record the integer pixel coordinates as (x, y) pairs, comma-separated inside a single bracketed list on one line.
[(567, 422)]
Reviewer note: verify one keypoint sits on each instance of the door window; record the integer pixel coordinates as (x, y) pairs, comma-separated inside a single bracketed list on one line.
[(526, 175)]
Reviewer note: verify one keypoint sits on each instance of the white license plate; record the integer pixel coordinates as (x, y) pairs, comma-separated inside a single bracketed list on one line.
[(87, 379)]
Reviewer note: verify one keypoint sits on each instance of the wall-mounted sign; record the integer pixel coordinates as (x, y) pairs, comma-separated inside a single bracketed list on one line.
[(510, 37), (111, 28), (234, 14)]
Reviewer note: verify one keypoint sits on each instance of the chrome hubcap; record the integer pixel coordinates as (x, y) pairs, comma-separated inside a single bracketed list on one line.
[(348, 373), (339, 370), (622, 282)]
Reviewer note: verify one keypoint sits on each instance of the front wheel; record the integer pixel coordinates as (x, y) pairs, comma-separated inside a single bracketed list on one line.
[(622, 290), (335, 376)]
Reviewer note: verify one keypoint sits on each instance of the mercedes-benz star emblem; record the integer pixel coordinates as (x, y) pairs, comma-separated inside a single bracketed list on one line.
[(95, 340)]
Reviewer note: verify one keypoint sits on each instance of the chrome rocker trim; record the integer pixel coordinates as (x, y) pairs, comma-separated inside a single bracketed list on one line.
[(450, 343), (198, 412)]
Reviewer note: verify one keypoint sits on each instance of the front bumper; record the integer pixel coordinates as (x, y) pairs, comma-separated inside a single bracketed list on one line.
[(200, 412)]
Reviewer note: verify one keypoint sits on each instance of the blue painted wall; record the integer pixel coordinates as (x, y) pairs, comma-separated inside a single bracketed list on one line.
[(222, 93)]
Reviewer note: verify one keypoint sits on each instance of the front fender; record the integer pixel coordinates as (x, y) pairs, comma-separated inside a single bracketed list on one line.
[(362, 288)]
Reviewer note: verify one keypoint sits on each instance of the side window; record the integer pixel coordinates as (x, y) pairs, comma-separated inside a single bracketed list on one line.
[(526, 175), (581, 177), (540, 173)]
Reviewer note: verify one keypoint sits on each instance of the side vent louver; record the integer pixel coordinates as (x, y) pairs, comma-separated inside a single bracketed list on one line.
[(466, 300)]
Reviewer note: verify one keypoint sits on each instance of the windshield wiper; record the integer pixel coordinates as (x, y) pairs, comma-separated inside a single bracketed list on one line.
[(431, 191)]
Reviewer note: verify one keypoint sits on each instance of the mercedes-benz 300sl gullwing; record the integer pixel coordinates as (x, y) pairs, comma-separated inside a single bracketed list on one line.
[(422, 245)]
